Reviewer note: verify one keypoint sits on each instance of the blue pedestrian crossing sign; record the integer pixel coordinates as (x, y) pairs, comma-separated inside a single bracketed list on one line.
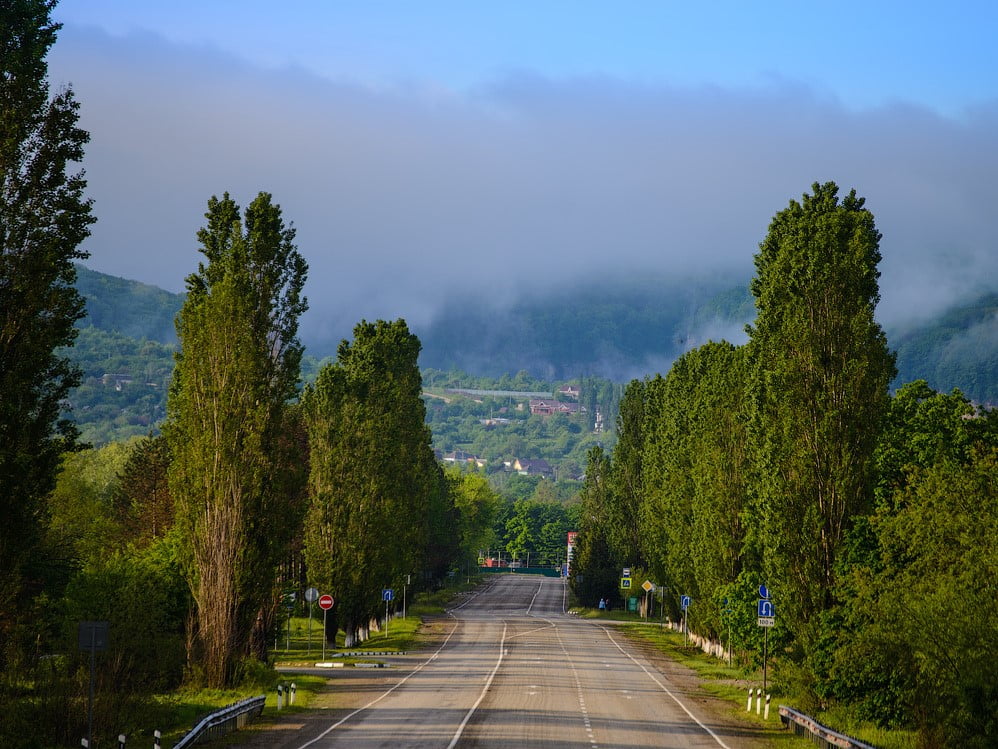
[(387, 594)]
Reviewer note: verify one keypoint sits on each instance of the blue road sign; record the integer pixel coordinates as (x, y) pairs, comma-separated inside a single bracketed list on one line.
[(763, 592), (684, 602), (766, 608), (387, 594)]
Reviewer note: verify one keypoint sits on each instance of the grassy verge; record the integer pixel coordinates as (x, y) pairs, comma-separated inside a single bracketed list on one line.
[(732, 683)]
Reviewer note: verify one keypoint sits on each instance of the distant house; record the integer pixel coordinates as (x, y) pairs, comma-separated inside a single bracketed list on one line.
[(539, 467), (460, 456), (570, 391), (549, 407), (494, 422), (118, 380)]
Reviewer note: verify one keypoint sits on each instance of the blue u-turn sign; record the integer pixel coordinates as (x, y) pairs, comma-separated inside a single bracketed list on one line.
[(766, 608), (387, 594)]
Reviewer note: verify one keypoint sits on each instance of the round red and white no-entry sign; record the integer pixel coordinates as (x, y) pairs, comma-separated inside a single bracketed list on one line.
[(325, 602)]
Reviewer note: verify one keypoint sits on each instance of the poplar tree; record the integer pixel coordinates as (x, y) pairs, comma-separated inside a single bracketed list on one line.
[(43, 219), (820, 370), (372, 472), (624, 512), (231, 479), (594, 570)]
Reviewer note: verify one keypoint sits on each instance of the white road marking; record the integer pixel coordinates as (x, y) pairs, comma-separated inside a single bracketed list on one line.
[(531, 631), (534, 598), (666, 690), (578, 686), (385, 694), (460, 728)]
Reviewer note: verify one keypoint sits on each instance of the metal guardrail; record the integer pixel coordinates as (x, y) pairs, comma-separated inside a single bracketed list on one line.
[(803, 725), (223, 721)]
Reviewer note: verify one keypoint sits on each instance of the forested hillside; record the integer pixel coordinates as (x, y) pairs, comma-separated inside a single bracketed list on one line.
[(622, 331), (960, 349), (129, 308)]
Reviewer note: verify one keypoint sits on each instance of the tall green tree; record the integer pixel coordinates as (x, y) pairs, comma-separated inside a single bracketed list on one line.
[(820, 369), (594, 571), (372, 472), (43, 219), (669, 486), (237, 369), (624, 513)]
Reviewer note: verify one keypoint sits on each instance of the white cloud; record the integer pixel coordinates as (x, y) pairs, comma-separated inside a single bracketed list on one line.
[(401, 196)]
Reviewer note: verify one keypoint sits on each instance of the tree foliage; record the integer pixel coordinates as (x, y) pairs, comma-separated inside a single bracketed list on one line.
[(372, 474), (820, 371), (43, 219), (594, 571), (231, 479)]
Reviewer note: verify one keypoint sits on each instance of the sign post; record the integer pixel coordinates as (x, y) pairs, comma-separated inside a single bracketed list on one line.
[(387, 594), (766, 619), (325, 603), (684, 604), (310, 595), (649, 588), (92, 636)]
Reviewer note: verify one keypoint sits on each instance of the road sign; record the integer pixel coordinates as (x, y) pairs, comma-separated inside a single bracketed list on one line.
[(766, 609), (311, 594), (387, 594), (684, 602), (648, 585), (626, 572), (325, 602), (767, 621), (763, 592), (92, 636), (625, 582)]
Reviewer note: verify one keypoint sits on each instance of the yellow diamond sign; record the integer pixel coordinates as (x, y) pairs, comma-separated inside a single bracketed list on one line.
[(648, 585)]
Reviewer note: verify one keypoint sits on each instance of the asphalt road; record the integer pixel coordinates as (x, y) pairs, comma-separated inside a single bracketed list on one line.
[(512, 670)]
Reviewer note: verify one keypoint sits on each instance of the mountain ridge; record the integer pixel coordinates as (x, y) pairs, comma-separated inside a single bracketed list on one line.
[(619, 329)]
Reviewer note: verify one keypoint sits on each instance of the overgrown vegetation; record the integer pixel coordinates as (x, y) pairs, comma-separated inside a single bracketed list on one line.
[(786, 464)]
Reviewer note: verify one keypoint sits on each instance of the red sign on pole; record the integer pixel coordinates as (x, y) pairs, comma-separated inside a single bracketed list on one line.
[(325, 602)]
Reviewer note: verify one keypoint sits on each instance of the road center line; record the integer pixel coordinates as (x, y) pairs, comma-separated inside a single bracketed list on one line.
[(534, 598), (385, 694), (578, 685), (464, 723), (666, 690)]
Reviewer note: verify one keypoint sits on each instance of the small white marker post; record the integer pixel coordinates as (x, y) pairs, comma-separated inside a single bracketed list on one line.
[(280, 696), (766, 715), (748, 705), (758, 701)]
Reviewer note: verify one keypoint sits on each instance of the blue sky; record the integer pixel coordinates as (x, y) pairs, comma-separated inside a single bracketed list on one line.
[(933, 54), (412, 141)]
